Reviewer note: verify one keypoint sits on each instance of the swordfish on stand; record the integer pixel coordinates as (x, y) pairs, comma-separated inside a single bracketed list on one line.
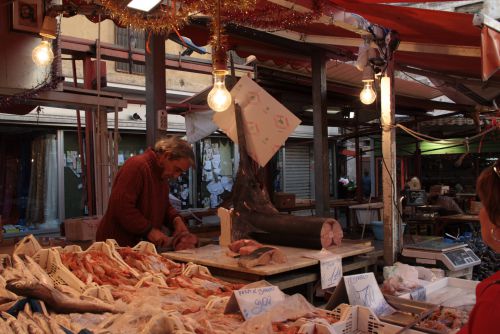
[(256, 217)]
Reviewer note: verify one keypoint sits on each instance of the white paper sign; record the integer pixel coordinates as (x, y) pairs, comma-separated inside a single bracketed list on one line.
[(267, 123), (330, 267), (331, 271), (253, 302), (363, 290)]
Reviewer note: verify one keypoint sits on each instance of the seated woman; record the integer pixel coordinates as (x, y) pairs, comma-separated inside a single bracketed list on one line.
[(485, 316)]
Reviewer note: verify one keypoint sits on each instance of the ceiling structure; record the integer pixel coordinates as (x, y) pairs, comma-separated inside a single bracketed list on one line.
[(443, 46)]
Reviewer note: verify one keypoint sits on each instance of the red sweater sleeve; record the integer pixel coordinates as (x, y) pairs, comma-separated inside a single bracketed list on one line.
[(127, 187), (484, 316)]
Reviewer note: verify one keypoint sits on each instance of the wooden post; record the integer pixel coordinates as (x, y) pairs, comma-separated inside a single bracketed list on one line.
[(389, 172), (359, 173), (156, 92), (335, 170), (89, 139), (321, 175)]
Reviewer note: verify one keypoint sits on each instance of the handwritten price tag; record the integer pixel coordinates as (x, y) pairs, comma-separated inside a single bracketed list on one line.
[(331, 271), (253, 302), (363, 290)]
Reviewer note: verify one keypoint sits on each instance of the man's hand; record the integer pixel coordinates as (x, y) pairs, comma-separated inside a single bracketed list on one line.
[(159, 238), (179, 226), (185, 240)]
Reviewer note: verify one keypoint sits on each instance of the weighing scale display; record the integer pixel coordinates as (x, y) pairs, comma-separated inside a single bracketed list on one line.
[(457, 257), (453, 256)]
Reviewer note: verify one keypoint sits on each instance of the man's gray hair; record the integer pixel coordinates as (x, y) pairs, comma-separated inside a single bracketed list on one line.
[(177, 148)]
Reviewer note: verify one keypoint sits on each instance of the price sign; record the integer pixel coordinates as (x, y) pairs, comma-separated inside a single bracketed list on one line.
[(331, 271), (363, 290), (253, 302)]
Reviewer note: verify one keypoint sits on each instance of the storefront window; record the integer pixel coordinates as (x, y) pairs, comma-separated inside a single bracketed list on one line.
[(215, 170), (75, 203), (28, 180)]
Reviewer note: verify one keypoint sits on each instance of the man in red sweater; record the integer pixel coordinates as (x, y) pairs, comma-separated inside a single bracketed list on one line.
[(139, 207)]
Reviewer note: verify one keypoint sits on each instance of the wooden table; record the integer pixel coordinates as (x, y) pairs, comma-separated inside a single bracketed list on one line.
[(298, 270), (309, 204), (443, 221), (437, 225)]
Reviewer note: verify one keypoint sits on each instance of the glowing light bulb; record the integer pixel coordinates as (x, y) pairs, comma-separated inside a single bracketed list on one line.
[(219, 98), (42, 55), (367, 95)]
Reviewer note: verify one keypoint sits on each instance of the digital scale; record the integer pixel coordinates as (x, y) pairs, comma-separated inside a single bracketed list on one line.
[(453, 257)]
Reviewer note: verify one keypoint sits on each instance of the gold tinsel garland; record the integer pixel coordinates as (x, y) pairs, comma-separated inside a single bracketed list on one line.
[(161, 19), (253, 13)]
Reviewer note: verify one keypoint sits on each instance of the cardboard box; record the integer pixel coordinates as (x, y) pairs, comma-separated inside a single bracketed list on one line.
[(81, 228), (284, 200)]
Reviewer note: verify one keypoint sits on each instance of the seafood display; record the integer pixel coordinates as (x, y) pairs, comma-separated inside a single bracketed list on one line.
[(445, 320), (251, 253), (149, 262), (135, 290), (132, 290), (97, 267)]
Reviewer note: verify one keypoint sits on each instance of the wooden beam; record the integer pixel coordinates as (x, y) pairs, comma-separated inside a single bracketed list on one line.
[(71, 98), (403, 102), (79, 48), (156, 97), (389, 171), (448, 78), (319, 92)]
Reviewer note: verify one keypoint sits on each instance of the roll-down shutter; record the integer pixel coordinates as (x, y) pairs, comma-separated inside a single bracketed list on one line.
[(298, 171)]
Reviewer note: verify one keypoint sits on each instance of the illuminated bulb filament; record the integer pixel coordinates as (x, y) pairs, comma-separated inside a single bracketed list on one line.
[(42, 55), (219, 98), (367, 95)]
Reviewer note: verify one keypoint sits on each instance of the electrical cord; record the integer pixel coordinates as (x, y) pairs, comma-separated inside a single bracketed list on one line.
[(393, 184)]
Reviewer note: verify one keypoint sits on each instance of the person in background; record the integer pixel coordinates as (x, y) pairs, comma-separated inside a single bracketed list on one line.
[(484, 317), (367, 184), (139, 205), (447, 205)]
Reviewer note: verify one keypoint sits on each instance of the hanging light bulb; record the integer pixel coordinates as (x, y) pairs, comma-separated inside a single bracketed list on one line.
[(219, 98), (368, 94), (42, 54)]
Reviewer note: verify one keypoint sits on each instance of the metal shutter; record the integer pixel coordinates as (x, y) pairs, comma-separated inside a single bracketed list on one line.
[(298, 170)]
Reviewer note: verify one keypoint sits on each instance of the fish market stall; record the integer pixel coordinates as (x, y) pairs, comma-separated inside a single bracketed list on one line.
[(299, 269), (112, 289)]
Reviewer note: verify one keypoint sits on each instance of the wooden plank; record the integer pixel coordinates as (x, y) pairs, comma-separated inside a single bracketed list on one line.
[(93, 92), (294, 280), (215, 256)]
